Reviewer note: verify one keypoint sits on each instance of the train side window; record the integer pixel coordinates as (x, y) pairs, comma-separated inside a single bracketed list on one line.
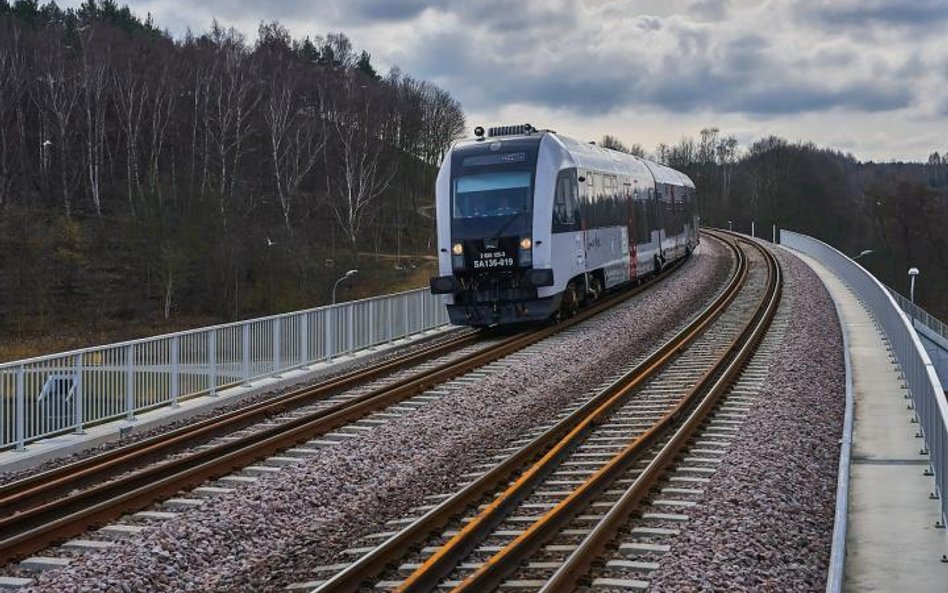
[(566, 203), (598, 187)]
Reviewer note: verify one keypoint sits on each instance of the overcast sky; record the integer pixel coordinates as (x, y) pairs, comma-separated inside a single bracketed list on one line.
[(863, 76)]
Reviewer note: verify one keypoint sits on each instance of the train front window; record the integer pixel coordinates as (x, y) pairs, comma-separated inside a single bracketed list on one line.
[(484, 195)]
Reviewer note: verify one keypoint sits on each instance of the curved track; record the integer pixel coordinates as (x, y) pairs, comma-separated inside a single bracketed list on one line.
[(607, 454), (54, 505)]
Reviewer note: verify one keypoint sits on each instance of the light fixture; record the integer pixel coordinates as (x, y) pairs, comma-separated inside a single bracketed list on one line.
[(348, 274)]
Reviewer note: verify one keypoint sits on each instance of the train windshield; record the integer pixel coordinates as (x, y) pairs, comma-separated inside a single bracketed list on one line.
[(501, 193)]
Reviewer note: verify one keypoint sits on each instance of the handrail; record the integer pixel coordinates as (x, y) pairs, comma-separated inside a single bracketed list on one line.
[(205, 328), (102, 383), (926, 390), (920, 315)]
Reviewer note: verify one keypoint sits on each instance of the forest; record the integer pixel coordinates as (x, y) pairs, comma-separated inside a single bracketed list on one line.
[(896, 210), (148, 183)]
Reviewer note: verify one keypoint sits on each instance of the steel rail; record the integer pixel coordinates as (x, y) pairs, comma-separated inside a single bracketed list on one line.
[(44, 485), (491, 573), (577, 565), (376, 561), (38, 526)]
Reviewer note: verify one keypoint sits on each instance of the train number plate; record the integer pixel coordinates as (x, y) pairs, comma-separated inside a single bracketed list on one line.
[(493, 259)]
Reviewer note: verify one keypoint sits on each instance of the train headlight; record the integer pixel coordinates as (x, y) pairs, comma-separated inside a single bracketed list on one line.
[(457, 249), (526, 254)]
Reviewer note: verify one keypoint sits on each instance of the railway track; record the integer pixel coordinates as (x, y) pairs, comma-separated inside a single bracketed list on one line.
[(551, 508), (52, 506)]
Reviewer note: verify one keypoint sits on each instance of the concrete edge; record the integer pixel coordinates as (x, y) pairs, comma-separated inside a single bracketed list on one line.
[(66, 445), (835, 571)]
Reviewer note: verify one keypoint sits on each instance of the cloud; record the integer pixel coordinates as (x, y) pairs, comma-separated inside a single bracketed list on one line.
[(860, 13), (672, 63), (828, 65), (794, 99), (709, 10)]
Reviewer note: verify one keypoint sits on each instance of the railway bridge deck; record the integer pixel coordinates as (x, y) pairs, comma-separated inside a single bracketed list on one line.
[(889, 530)]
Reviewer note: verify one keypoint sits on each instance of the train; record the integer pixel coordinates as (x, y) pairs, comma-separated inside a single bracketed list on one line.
[(533, 225)]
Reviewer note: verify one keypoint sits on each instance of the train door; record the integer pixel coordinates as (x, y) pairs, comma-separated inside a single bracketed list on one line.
[(589, 201), (628, 251), (661, 194)]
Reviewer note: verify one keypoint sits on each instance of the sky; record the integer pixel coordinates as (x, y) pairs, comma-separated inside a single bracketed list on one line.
[(868, 77)]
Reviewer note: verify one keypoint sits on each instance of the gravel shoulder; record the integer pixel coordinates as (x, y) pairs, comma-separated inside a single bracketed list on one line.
[(766, 520), (268, 534)]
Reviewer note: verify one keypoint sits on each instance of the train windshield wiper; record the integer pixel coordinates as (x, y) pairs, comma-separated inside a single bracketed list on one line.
[(506, 224)]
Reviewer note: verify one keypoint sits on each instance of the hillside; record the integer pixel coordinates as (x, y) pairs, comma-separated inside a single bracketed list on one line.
[(150, 183)]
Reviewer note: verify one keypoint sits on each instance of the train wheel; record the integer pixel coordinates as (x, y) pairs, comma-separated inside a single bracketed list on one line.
[(570, 304), (595, 289)]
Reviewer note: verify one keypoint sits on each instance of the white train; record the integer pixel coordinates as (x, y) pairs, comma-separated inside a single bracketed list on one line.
[(532, 224)]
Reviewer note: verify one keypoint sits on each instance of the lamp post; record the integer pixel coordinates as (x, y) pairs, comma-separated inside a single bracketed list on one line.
[(348, 274), (729, 226), (913, 272), (862, 254)]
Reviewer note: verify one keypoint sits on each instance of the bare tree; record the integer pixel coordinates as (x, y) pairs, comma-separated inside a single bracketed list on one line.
[(94, 84), (726, 153), (612, 142), (164, 93), (232, 101), (292, 120), (10, 95), (358, 175), (131, 93), (60, 94), (200, 91)]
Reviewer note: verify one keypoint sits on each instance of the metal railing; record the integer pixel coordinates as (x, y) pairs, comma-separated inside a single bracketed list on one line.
[(920, 315), (70, 391), (916, 366)]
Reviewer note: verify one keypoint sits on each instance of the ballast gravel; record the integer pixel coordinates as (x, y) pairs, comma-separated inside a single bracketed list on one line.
[(271, 533), (766, 520)]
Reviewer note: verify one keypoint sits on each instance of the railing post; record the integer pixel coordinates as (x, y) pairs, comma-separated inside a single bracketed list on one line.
[(371, 305), (245, 351), (424, 318), (276, 347), (212, 363), (20, 410), (130, 383), (350, 329), (175, 372), (405, 299), (79, 396), (390, 325), (304, 339), (330, 334)]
